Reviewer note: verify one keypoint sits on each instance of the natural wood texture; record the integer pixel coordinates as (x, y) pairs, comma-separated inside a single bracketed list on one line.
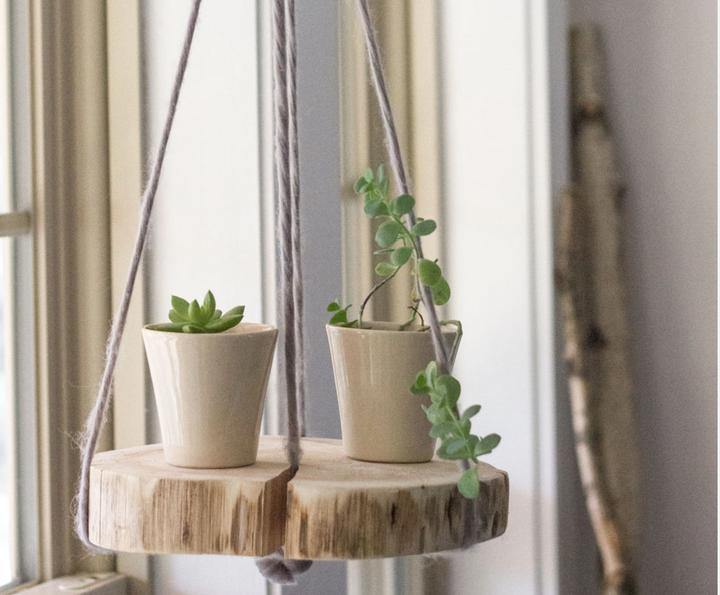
[(592, 287), (579, 343), (337, 508), (139, 503)]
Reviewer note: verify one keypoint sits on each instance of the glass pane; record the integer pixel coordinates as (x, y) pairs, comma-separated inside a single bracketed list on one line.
[(4, 109), (7, 542)]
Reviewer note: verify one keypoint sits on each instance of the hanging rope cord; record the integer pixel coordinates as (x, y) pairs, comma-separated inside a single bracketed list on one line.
[(98, 415), (398, 168), (287, 188), (275, 567)]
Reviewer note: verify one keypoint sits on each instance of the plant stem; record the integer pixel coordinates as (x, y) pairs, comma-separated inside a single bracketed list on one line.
[(372, 292), (408, 236)]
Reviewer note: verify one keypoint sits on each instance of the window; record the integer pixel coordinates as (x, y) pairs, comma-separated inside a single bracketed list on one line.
[(91, 135), (17, 477)]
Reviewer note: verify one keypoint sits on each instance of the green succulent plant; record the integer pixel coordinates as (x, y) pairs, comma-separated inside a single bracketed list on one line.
[(191, 317)]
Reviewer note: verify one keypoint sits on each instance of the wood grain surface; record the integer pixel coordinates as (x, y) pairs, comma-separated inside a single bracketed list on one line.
[(334, 508)]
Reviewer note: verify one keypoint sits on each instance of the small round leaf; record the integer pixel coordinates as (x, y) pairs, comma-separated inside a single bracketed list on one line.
[(401, 255), (469, 483), (372, 207), (339, 317), (487, 444), (441, 292), (359, 186), (442, 429), (430, 272), (402, 205), (380, 174), (387, 233), (385, 268), (424, 228), (452, 386), (471, 411)]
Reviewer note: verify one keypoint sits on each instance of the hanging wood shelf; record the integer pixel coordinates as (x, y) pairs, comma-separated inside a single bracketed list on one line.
[(334, 507)]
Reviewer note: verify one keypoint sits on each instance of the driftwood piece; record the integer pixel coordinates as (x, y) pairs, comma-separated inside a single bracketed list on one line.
[(334, 507), (592, 287), (581, 344)]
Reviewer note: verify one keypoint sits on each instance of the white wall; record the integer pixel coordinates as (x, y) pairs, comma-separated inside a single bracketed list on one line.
[(662, 59), (497, 221)]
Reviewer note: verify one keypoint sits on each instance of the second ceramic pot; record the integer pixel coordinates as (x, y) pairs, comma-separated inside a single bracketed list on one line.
[(382, 421), (210, 392)]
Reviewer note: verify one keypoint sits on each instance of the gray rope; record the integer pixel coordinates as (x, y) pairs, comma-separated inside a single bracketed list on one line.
[(294, 173), (398, 167), (275, 567), (401, 178), (98, 415), (285, 195)]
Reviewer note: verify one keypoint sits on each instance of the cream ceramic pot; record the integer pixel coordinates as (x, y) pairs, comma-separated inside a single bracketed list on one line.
[(210, 391), (381, 420)]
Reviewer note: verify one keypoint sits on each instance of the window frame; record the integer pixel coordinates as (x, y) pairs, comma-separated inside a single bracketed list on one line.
[(16, 230), (67, 187)]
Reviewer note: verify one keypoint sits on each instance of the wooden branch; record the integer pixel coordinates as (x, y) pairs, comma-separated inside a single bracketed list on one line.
[(588, 83), (592, 289), (580, 341)]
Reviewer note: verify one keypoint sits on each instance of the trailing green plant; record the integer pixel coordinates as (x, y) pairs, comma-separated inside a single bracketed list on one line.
[(400, 243), (398, 239), (191, 317), (452, 428)]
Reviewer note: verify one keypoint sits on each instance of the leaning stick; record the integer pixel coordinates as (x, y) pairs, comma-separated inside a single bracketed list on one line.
[(579, 342), (596, 330)]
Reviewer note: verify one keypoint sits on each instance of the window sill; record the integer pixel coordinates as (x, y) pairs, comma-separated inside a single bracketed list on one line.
[(106, 583)]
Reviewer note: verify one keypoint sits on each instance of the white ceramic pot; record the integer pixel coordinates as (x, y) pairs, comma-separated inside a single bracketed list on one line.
[(382, 421), (210, 392)]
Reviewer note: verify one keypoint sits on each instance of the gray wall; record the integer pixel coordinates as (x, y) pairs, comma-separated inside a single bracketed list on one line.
[(662, 84)]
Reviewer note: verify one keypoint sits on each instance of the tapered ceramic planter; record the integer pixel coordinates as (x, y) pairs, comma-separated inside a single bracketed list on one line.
[(382, 421), (210, 392)]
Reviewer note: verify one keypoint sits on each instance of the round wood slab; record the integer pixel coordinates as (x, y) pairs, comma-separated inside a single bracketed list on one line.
[(334, 507)]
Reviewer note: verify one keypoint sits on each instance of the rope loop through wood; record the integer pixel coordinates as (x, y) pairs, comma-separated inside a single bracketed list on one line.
[(276, 568)]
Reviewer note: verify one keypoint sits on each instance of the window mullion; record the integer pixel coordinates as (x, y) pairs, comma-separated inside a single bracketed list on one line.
[(15, 224)]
